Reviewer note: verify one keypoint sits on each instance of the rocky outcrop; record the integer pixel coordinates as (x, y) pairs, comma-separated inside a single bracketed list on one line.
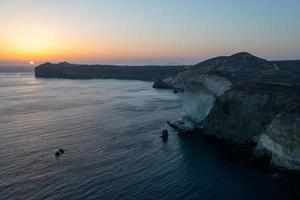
[(74, 71), (247, 100), (160, 84), (280, 140)]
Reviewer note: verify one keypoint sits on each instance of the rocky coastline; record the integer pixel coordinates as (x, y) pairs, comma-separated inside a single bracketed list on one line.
[(245, 100), (241, 98)]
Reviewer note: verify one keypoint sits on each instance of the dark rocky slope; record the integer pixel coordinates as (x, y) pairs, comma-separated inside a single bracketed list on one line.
[(247, 100), (74, 71), (160, 84)]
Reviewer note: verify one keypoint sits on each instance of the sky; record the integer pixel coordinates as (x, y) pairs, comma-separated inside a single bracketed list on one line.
[(146, 31)]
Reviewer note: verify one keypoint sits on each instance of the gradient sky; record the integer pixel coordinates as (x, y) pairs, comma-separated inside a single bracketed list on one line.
[(146, 31)]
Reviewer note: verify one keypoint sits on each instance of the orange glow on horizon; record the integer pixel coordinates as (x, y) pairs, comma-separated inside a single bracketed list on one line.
[(54, 44), (115, 32)]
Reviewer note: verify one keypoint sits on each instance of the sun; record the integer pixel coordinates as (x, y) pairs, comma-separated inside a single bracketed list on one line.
[(31, 62)]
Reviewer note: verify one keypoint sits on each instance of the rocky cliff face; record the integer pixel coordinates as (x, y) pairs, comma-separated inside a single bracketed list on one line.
[(280, 140), (247, 100)]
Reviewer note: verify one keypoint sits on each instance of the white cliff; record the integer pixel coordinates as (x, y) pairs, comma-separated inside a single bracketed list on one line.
[(280, 155), (199, 98), (283, 132), (239, 98)]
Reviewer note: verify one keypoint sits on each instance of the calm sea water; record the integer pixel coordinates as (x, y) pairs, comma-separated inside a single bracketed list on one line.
[(110, 132)]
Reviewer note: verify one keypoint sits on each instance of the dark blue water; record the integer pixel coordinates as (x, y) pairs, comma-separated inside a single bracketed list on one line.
[(110, 132)]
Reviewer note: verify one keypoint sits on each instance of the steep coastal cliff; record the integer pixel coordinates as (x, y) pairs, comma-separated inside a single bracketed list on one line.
[(247, 100), (74, 71)]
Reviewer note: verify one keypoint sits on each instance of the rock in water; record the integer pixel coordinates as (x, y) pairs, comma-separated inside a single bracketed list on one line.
[(160, 84), (57, 154), (165, 134)]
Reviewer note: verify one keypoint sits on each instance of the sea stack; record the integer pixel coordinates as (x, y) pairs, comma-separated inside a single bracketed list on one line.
[(165, 134)]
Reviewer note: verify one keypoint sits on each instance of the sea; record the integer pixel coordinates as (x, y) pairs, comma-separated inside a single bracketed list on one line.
[(110, 133)]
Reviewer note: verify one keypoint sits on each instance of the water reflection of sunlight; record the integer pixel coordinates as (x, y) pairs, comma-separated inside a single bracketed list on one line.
[(29, 83)]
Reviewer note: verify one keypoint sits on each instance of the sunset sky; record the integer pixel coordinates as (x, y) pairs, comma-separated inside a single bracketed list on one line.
[(146, 31)]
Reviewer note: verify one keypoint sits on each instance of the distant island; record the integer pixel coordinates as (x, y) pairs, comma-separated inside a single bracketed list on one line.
[(240, 98), (76, 71)]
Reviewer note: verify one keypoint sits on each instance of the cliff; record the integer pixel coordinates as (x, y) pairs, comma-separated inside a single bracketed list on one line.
[(74, 71), (246, 100)]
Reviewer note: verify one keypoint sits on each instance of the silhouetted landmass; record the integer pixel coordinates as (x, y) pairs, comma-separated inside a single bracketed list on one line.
[(150, 73), (75, 71)]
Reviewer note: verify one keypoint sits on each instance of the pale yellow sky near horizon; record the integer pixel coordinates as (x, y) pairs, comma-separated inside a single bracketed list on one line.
[(146, 32)]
